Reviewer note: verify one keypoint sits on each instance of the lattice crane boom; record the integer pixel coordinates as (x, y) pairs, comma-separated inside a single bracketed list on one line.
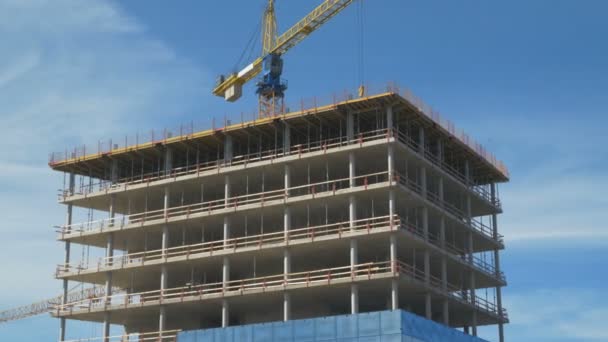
[(49, 304), (231, 87)]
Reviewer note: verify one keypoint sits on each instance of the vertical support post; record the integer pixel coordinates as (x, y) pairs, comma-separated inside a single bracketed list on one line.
[(421, 140), (423, 183), (225, 280), (501, 334), (352, 214), (226, 191), (225, 313), (286, 263), (66, 259), (287, 179), (286, 139), (165, 242), (228, 150), (389, 119), (350, 126)]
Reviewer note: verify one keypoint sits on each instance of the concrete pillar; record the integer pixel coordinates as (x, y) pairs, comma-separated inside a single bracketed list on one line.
[(392, 208), (287, 178), (351, 169), (446, 312), (286, 306), (425, 223), (428, 309), (423, 183), (226, 191), (501, 334), (286, 263), (354, 299), (228, 150), (354, 289), (394, 282), (105, 333), (422, 140), (352, 211), (162, 317), (395, 294), (286, 138), (66, 258), (226, 232), (391, 162), (389, 117), (440, 191), (350, 126), (225, 313)]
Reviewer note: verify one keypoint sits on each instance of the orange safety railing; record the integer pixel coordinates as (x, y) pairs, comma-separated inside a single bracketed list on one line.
[(280, 282), (186, 131), (208, 207), (341, 229), (156, 336)]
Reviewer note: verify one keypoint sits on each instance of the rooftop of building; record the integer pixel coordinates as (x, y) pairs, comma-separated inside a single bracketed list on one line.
[(89, 161)]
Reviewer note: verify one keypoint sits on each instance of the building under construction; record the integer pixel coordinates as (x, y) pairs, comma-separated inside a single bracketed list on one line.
[(362, 208)]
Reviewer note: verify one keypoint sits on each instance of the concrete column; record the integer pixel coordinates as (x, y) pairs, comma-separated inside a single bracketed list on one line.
[(226, 191), (225, 272), (106, 327), (391, 162), (428, 309), (446, 312), (226, 232), (286, 295), (287, 178), (162, 317), (354, 289), (286, 306), (422, 140), (350, 126), (66, 259), (225, 313), (286, 138), (501, 334), (395, 294), (423, 183), (354, 299), (425, 223), (225, 280), (391, 207), (351, 169), (440, 154), (389, 117), (440, 191), (228, 150), (394, 282)]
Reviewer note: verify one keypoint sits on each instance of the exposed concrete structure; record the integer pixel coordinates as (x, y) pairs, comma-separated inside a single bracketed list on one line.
[(364, 205)]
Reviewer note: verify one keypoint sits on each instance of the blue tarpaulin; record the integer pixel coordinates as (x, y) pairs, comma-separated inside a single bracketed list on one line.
[(383, 326)]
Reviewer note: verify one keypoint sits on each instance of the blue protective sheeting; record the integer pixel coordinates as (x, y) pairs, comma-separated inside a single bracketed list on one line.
[(383, 326)]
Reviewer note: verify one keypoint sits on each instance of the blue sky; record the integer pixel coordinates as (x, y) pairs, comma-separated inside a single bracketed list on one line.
[(528, 79)]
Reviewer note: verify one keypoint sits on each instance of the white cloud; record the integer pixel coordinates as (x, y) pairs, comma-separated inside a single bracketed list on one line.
[(71, 72), (564, 314)]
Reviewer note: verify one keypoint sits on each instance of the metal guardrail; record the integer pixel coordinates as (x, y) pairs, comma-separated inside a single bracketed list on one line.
[(279, 282)]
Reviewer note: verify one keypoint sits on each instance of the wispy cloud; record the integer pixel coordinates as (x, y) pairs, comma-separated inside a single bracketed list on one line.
[(564, 315), (71, 72)]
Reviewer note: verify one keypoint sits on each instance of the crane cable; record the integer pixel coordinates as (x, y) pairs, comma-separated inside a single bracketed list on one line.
[(249, 49), (360, 48)]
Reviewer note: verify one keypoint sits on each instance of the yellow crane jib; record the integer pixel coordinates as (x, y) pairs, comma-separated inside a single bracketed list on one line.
[(230, 87)]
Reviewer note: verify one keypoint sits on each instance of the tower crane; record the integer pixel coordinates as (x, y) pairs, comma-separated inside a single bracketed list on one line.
[(271, 88)]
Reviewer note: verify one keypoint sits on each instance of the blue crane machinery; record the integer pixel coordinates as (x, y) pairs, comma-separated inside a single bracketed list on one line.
[(270, 87)]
